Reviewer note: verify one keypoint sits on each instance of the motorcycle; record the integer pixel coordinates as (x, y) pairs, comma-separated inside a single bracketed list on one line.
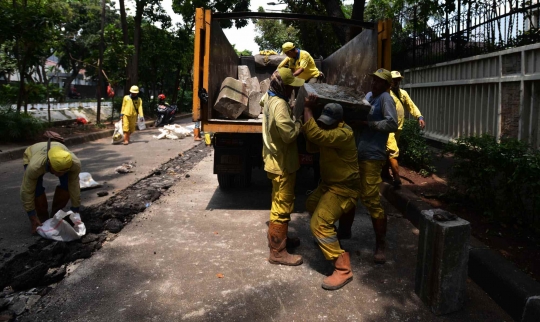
[(165, 114)]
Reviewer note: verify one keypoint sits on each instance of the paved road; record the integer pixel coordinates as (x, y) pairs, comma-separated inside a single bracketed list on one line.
[(165, 266), (100, 158)]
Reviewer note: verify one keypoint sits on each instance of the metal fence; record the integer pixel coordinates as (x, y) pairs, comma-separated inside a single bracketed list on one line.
[(477, 27), (496, 93)]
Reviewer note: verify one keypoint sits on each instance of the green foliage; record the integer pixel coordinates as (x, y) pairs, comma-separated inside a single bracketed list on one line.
[(16, 126), (244, 52), (8, 94), (413, 149), (503, 178), (272, 33)]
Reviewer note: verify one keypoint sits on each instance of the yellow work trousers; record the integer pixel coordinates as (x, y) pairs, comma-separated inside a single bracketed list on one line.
[(327, 207), (282, 196), (128, 123), (392, 145), (370, 174)]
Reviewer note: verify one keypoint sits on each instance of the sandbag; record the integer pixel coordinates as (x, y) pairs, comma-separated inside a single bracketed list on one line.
[(56, 228)]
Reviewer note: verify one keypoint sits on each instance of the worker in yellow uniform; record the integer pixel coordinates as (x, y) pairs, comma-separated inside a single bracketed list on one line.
[(55, 158), (131, 107), (301, 64), (402, 100), (339, 189), (280, 155)]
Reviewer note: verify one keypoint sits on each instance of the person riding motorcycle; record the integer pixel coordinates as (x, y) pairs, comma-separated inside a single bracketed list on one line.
[(161, 100)]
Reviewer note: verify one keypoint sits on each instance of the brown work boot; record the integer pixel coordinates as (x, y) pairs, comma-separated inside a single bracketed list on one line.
[(277, 240), (342, 273), (379, 226), (345, 224), (42, 207), (197, 134), (60, 199)]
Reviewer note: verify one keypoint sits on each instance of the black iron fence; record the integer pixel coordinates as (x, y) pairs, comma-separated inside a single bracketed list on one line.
[(478, 27)]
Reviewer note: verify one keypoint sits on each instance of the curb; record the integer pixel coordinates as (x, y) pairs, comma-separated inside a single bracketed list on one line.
[(17, 153), (514, 291)]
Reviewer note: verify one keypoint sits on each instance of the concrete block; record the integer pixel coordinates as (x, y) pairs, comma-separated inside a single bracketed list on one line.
[(532, 310), (264, 85), (355, 106), (254, 109), (232, 99), (441, 269), (252, 84), (270, 60), (243, 73)]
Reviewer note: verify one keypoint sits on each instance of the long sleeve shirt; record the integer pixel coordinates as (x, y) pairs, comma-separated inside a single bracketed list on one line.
[(280, 152), (132, 107), (404, 101), (338, 157), (35, 158), (382, 119)]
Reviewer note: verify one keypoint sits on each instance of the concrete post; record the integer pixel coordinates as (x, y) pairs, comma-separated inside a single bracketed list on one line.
[(443, 254)]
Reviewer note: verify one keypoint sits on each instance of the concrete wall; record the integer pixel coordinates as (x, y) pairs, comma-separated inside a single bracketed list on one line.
[(497, 93)]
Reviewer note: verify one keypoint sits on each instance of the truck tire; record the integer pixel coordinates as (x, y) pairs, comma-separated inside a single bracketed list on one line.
[(245, 179), (225, 181)]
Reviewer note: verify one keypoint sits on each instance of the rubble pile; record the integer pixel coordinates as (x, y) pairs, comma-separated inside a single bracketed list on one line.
[(173, 132), (27, 276), (240, 97)]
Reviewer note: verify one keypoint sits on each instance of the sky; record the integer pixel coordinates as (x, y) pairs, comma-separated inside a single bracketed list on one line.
[(242, 38)]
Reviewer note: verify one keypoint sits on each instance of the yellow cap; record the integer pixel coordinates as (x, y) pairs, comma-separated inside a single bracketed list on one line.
[(289, 79), (60, 159), (287, 46), (384, 74), (396, 74), (134, 89)]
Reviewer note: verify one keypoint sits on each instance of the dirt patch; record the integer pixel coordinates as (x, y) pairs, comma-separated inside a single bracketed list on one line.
[(516, 243), (46, 262)]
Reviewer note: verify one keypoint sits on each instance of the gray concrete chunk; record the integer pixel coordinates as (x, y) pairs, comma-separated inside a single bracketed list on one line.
[(232, 99), (264, 85), (441, 269), (252, 84), (243, 73), (355, 106), (254, 108)]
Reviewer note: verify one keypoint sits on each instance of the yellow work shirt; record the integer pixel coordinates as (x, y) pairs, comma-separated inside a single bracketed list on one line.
[(338, 157), (132, 107), (404, 101), (35, 157), (280, 152), (305, 61)]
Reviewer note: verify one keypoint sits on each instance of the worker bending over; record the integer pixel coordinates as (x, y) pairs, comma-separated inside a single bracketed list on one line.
[(301, 64), (55, 158), (339, 189)]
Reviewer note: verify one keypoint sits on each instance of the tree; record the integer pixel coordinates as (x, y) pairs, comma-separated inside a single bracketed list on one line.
[(273, 33), (241, 53)]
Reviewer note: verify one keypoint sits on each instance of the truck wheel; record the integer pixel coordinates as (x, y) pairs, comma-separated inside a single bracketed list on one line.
[(225, 181), (245, 179)]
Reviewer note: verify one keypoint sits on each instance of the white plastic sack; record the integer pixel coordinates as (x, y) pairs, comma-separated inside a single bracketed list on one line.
[(86, 181), (118, 135), (56, 228), (140, 124)]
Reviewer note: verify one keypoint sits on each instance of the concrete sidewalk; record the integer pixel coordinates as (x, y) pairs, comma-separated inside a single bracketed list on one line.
[(199, 254), (98, 157)]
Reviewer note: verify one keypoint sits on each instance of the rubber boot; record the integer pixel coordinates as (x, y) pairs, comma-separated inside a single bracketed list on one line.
[(126, 138), (42, 207), (60, 200), (379, 226), (277, 241), (197, 134), (345, 224), (342, 273)]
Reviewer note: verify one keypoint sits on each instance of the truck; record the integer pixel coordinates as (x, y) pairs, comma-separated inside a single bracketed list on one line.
[(238, 143)]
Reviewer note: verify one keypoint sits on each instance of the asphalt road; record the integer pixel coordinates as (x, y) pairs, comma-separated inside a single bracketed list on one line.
[(200, 254), (99, 158)]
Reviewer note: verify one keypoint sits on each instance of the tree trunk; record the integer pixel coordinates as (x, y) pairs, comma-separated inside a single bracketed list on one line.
[(176, 85), (100, 64), (133, 72), (357, 14), (123, 22)]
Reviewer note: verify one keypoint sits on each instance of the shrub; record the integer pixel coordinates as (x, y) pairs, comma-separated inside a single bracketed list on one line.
[(18, 126), (502, 178), (413, 149)]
